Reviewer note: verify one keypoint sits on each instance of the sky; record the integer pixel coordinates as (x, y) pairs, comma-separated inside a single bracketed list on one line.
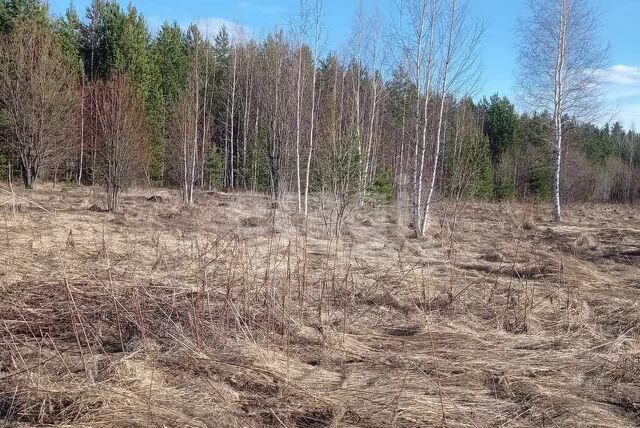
[(620, 21)]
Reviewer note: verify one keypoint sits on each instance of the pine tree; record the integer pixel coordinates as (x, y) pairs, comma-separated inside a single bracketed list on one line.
[(12, 12), (68, 28), (218, 107), (502, 126), (169, 52), (123, 46)]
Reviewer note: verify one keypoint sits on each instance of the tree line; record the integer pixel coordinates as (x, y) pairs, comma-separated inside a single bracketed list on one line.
[(99, 99)]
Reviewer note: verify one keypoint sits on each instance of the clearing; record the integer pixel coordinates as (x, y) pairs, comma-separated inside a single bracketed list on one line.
[(235, 314)]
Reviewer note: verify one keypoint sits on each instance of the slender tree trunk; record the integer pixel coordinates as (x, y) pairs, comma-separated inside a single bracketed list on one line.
[(558, 107), (416, 174), (185, 162), (254, 184), (443, 95), (298, 114), (245, 125), (95, 144), (427, 96), (194, 149), (312, 130), (233, 112), (80, 166), (357, 117), (203, 152), (94, 102), (400, 170), (226, 146), (27, 176), (372, 118), (313, 107)]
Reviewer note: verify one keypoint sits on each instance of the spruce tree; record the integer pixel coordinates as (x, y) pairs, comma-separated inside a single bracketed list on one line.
[(14, 11)]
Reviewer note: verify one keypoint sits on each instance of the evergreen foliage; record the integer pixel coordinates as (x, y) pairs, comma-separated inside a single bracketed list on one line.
[(246, 121), (382, 186)]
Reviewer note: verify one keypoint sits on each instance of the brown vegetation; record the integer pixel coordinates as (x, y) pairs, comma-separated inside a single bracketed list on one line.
[(121, 136), (38, 100), (231, 313)]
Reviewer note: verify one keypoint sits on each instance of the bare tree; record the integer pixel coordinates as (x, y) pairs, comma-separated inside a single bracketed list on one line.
[(458, 74), (337, 157), (82, 101), (248, 68), (376, 87), (451, 32), (418, 20), (302, 28), (205, 132), (123, 153), (356, 71), (274, 101), (38, 97), (560, 58), (442, 50), (185, 126), (317, 16), (232, 114)]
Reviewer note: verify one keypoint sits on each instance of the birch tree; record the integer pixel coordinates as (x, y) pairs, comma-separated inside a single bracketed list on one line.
[(274, 104), (376, 86), (560, 60), (458, 74), (232, 113), (185, 124), (317, 15), (441, 48), (417, 30), (302, 28)]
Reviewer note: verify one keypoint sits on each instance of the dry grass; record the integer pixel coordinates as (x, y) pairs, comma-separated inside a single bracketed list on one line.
[(233, 314)]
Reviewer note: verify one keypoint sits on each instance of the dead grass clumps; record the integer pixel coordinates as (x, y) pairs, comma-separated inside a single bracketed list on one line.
[(253, 222), (97, 209), (232, 313)]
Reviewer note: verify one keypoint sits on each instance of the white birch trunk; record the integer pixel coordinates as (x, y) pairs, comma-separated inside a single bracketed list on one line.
[(298, 114), (233, 107), (559, 77), (443, 95)]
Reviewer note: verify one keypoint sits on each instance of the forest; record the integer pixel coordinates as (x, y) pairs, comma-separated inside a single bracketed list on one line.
[(186, 108), (205, 227)]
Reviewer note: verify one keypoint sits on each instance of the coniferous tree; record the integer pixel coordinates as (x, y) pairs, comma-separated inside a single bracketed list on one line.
[(502, 125), (12, 12), (169, 52), (123, 46)]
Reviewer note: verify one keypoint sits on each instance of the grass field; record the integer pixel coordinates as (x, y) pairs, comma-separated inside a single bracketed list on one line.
[(235, 314)]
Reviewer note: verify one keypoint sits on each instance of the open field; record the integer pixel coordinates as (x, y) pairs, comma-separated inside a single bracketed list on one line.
[(235, 314)]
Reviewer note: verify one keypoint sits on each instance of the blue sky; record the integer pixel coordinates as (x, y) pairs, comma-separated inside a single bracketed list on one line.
[(620, 28)]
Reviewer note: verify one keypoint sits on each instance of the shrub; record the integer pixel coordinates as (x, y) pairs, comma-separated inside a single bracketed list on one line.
[(540, 180), (382, 186), (506, 189), (213, 167)]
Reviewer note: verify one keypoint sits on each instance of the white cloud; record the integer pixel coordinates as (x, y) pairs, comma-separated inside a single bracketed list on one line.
[(621, 74), (622, 91), (209, 27)]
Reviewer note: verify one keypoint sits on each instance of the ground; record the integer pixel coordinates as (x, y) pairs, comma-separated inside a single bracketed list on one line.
[(235, 313)]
